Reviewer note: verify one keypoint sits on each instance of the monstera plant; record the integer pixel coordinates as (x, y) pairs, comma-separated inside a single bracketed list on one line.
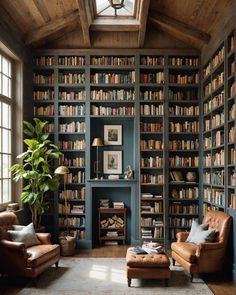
[(35, 167)]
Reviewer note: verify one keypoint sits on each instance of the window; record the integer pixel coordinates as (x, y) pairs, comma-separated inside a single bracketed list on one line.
[(5, 128), (104, 8)]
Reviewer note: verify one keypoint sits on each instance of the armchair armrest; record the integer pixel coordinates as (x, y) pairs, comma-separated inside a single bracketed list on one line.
[(204, 247), (182, 236), (17, 249), (44, 238)]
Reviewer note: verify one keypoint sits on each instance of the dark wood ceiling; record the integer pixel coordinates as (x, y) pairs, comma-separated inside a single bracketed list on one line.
[(160, 24)]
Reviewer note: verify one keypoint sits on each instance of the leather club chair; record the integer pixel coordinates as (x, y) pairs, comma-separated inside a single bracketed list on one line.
[(17, 260), (205, 257)]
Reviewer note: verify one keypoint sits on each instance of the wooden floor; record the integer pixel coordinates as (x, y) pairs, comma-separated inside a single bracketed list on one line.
[(218, 283)]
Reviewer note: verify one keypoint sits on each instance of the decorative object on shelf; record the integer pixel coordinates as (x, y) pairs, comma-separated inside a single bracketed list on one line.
[(97, 142), (67, 242), (112, 162), (36, 168), (128, 172), (191, 176), (113, 134)]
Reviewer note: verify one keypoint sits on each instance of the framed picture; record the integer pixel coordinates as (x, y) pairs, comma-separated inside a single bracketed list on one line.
[(113, 134), (112, 162)]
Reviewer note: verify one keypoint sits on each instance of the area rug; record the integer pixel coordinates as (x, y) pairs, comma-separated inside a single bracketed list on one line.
[(101, 276)]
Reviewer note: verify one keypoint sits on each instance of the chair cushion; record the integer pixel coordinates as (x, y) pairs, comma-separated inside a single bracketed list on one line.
[(26, 235), (41, 253), (195, 228), (186, 250)]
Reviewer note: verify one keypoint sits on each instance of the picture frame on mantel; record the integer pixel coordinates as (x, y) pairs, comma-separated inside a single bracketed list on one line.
[(112, 162), (112, 134)]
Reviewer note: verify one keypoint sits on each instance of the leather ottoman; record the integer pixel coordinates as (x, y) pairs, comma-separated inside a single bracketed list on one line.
[(147, 266)]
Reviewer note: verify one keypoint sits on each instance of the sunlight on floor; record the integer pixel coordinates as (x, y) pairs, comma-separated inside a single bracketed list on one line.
[(101, 272)]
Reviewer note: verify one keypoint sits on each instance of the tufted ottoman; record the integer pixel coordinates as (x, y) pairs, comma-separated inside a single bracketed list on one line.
[(147, 266)]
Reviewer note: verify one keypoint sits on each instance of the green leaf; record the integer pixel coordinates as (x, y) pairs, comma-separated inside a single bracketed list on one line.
[(31, 143), (29, 126), (23, 155)]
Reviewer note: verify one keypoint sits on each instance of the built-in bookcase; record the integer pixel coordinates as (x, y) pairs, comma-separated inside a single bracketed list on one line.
[(154, 100), (183, 141), (152, 184), (219, 127)]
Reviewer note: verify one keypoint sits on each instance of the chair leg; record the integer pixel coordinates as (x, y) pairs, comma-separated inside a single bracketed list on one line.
[(129, 282), (191, 277), (173, 261), (56, 264)]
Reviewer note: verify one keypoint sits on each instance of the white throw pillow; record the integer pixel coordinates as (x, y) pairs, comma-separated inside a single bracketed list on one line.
[(195, 228), (204, 236), (25, 235)]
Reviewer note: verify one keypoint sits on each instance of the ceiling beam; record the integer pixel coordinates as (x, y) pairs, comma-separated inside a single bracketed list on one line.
[(144, 8), (116, 25), (178, 29), (51, 27), (42, 10), (85, 20)]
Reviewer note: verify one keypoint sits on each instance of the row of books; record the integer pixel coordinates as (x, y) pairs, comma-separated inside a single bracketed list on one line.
[(179, 208), (150, 195), (214, 103), (178, 161), (153, 207), (75, 126), (184, 61), (152, 179), (109, 111), (44, 111), (77, 194), (71, 110), (43, 95), (184, 144), (151, 127), (75, 162), (157, 77), (151, 162), (187, 126), (152, 110), (151, 144), (152, 95), (184, 111), (184, 79), (185, 193), (71, 60), (71, 78), (72, 145), (43, 79), (149, 221), (215, 196), (73, 209), (72, 95), (79, 177), (112, 60), (112, 78), (75, 221), (112, 95), (183, 95)]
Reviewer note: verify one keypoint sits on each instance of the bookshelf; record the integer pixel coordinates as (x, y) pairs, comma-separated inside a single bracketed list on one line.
[(152, 148), (154, 99), (219, 127), (183, 143)]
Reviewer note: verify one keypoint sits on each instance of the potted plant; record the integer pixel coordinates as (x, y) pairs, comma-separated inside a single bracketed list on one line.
[(35, 168)]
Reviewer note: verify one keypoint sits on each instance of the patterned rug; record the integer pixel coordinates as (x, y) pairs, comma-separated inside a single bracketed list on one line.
[(101, 276)]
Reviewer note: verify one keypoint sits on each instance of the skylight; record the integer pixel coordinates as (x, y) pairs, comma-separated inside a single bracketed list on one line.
[(104, 8)]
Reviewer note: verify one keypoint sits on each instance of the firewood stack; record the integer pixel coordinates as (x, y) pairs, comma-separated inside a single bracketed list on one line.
[(112, 222)]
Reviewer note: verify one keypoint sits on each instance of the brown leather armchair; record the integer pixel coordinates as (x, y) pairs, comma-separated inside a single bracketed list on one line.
[(205, 257), (18, 260)]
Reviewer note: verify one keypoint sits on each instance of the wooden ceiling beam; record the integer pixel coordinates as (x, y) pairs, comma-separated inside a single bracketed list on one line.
[(178, 29), (51, 27), (144, 8), (42, 10), (85, 20), (116, 25)]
